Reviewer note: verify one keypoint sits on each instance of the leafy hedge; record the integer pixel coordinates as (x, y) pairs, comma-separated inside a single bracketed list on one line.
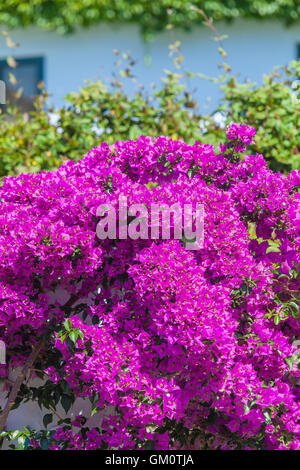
[(151, 16), (274, 110), (32, 142)]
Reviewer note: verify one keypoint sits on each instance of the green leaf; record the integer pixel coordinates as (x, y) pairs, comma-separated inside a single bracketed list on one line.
[(95, 410), (47, 419), (252, 230), (74, 336), (63, 337), (11, 62), (273, 249), (66, 402), (67, 324), (276, 319), (15, 434), (267, 417)]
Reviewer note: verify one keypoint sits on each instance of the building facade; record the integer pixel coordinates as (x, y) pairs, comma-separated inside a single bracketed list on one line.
[(64, 63)]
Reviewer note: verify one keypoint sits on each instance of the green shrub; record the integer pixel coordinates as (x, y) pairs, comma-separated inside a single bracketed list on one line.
[(273, 109), (31, 142)]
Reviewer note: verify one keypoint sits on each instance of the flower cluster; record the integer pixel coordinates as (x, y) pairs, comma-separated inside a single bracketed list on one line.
[(242, 132), (239, 136), (180, 349)]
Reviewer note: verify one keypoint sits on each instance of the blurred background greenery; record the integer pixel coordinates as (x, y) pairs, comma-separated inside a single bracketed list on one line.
[(42, 138)]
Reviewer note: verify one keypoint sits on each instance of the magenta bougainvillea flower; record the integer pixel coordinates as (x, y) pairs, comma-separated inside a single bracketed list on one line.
[(190, 349)]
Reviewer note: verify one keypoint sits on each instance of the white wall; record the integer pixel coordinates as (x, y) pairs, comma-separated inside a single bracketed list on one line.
[(253, 48)]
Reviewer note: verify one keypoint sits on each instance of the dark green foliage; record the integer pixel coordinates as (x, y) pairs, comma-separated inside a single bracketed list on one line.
[(152, 16)]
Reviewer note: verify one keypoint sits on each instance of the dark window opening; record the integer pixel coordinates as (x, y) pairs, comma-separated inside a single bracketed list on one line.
[(28, 73)]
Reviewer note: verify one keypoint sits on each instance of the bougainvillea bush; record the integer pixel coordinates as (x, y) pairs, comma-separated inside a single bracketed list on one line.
[(176, 349)]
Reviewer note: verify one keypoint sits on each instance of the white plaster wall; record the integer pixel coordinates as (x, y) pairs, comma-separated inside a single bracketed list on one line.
[(253, 48)]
